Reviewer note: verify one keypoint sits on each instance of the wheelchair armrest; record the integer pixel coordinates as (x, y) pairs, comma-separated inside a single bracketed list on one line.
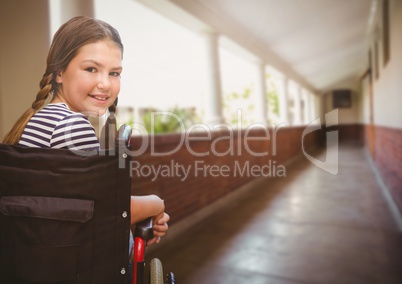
[(144, 229), (124, 135)]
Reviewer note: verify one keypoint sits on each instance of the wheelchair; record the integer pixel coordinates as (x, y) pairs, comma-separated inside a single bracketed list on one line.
[(65, 217)]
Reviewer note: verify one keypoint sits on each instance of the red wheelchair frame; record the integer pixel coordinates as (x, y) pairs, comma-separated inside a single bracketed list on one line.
[(144, 232)]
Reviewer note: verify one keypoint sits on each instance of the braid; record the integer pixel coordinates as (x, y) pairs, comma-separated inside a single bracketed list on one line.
[(109, 130), (46, 85), (112, 108), (14, 135)]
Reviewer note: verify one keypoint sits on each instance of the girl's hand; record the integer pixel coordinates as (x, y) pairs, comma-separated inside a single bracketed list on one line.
[(160, 227)]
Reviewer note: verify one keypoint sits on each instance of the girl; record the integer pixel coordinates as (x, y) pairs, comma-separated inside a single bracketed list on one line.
[(82, 78)]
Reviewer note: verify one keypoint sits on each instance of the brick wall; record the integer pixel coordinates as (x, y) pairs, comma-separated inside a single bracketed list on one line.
[(388, 159), (217, 164), (223, 168), (351, 133), (385, 147)]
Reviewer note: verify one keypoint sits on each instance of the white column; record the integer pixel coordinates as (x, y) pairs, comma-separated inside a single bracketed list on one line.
[(306, 99), (261, 101), (61, 11), (297, 107), (283, 89), (213, 109), (313, 107)]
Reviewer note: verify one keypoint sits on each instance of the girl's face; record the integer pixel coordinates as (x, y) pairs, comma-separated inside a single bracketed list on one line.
[(91, 81)]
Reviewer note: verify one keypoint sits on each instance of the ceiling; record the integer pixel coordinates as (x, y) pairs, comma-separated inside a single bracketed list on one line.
[(321, 43)]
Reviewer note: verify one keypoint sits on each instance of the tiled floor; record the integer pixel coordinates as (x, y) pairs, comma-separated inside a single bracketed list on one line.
[(310, 227)]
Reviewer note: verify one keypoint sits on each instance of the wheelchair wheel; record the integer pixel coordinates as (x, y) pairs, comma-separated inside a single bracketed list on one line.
[(156, 271)]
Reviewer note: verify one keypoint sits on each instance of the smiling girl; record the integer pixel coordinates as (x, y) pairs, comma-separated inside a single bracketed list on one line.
[(82, 78)]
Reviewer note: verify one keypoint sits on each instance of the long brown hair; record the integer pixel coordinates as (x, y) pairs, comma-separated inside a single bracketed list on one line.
[(72, 35)]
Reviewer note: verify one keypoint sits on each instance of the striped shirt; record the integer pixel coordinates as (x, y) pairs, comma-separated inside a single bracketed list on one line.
[(56, 126)]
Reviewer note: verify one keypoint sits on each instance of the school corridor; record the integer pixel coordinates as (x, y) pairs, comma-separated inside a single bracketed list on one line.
[(311, 227), (265, 83)]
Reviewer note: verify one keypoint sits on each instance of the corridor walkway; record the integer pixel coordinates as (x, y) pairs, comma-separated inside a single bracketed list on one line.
[(310, 227)]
